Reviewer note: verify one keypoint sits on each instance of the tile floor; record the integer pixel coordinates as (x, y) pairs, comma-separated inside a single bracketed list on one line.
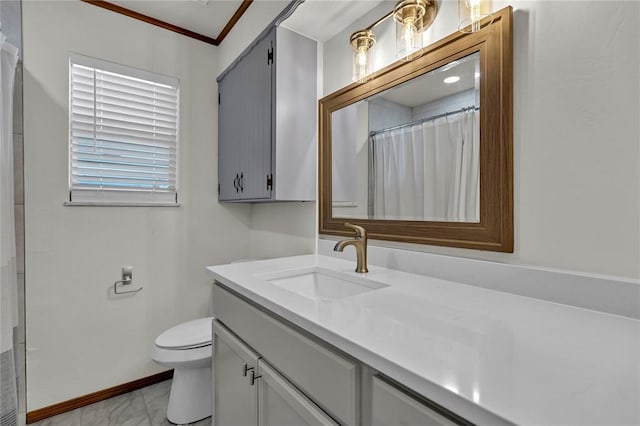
[(143, 407)]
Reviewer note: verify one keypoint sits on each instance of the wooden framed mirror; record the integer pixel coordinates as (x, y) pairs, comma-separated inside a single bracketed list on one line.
[(394, 162)]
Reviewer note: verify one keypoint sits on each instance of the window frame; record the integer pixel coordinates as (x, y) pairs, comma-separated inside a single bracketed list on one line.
[(113, 197)]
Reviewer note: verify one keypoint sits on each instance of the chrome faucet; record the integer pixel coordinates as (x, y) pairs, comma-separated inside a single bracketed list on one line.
[(359, 243)]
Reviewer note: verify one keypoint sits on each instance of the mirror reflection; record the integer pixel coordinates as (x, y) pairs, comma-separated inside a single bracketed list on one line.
[(411, 152)]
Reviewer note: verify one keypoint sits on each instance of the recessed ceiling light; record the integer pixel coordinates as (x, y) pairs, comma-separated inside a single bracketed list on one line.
[(452, 79)]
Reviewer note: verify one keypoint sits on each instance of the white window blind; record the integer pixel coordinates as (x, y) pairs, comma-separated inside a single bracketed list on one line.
[(123, 134)]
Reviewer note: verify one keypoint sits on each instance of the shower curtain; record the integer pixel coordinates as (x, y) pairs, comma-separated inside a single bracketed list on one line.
[(8, 271), (428, 171)]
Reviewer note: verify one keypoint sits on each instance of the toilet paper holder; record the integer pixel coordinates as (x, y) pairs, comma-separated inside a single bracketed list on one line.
[(127, 279)]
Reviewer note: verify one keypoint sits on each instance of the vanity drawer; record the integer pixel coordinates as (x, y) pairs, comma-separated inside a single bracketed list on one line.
[(391, 407), (329, 379)]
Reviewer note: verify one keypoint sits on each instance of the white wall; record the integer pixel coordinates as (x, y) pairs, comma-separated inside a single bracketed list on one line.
[(576, 131), (277, 229), (253, 21), (80, 338)]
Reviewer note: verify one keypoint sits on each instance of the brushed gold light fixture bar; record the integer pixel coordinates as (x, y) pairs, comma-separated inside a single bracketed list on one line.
[(412, 17)]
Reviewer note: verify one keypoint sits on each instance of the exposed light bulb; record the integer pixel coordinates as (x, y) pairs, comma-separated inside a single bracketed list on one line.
[(409, 33), (362, 64), (362, 58), (474, 14), (362, 68), (408, 30)]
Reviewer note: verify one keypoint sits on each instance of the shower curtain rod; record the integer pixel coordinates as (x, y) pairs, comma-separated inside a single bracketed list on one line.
[(422, 120)]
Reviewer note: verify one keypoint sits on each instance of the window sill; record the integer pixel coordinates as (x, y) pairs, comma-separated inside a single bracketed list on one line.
[(117, 204)]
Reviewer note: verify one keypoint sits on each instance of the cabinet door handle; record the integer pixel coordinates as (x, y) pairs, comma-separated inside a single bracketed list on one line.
[(235, 183), (241, 182), (246, 369), (254, 378)]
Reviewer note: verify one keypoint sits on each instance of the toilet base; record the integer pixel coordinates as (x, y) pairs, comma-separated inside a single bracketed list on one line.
[(190, 397)]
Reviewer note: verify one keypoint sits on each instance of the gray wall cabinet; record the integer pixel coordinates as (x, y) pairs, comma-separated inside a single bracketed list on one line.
[(267, 133), (304, 380)]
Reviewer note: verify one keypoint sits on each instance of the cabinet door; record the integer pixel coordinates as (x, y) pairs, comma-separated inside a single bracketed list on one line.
[(281, 404), (326, 376), (229, 109), (235, 399), (255, 119), (392, 407)]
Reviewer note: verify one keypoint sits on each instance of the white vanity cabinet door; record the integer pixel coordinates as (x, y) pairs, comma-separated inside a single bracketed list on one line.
[(329, 378), (281, 404), (235, 399), (392, 407)]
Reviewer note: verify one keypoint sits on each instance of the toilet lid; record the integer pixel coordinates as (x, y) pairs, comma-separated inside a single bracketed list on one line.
[(188, 335)]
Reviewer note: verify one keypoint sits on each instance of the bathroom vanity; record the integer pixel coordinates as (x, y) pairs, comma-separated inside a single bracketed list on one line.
[(305, 340)]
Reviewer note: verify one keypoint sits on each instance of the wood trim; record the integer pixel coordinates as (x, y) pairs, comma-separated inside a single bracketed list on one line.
[(176, 29), (234, 19), (494, 232), (72, 404)]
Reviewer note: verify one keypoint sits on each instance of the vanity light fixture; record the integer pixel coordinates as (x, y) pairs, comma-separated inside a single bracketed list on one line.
[(471, 13), (452, 79), (412, 17), (362, 43)]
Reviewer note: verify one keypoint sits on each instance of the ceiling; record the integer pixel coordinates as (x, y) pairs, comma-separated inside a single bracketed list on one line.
[(430, 86), (318, 19), (322, 19), (200, 16), (211, 20)]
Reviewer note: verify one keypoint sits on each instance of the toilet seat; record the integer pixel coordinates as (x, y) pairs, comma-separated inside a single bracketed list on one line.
[(189, 335)]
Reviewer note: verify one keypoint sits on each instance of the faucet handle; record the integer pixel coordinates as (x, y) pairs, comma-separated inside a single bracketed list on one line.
[(360, 231)]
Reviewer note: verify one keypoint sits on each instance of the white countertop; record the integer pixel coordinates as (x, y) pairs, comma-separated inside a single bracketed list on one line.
[(489, 356)]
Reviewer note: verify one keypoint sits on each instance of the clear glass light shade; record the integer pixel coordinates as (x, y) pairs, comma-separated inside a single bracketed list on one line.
[(362, 67), (471, 13), (412, 17), (408, 40), (362, 43)]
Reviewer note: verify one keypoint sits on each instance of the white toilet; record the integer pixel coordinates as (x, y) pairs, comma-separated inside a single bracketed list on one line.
[(187, 349)]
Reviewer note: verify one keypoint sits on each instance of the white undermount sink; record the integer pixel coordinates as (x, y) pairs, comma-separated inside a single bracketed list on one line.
[(321, 283)]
